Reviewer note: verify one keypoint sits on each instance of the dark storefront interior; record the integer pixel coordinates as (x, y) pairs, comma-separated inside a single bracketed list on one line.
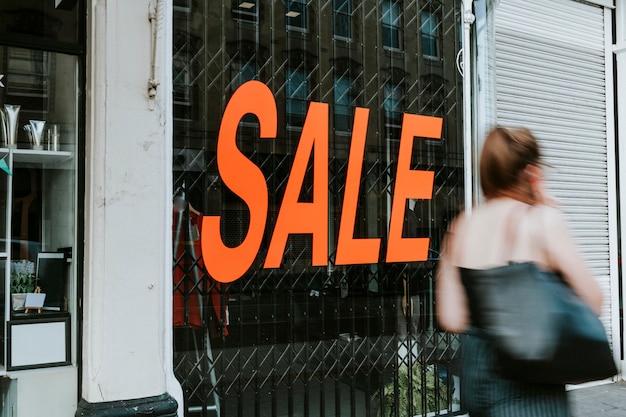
[(300, 340)]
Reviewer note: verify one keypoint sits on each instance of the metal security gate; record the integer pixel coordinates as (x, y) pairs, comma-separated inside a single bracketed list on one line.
[(337, 340), (553, 72)]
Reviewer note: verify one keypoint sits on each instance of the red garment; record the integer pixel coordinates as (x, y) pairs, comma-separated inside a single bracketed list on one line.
[(192, 316)]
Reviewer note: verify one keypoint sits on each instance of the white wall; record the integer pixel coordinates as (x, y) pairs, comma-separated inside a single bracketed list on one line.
[(127, 294), (48, 392)]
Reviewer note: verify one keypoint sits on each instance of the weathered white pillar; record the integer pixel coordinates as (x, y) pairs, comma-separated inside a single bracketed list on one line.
[(127, 331)]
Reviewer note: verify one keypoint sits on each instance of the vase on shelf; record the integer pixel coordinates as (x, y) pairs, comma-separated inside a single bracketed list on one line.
[(34, 128), (9, 116)]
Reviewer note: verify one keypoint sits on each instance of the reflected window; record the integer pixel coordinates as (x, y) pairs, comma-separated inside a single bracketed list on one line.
[(297, 90), (341, 19), (182, 65), (295, 14), (182, 88), (242, 72), (343, 103), (393, 104), (391, 24), (246, 10), (29, 72), (182, 6), (430, 34)]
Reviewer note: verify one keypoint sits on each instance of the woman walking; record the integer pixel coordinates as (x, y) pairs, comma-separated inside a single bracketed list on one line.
[(517, 223)]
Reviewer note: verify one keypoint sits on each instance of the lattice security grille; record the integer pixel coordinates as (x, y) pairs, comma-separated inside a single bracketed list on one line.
[(358, 340)]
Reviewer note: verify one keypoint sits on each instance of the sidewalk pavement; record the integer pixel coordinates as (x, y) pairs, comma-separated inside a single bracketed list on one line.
[(607, 400)]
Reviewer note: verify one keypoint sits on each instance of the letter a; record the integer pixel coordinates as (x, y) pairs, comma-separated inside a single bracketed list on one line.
[(297, 217), (410, 184), (243, 178)]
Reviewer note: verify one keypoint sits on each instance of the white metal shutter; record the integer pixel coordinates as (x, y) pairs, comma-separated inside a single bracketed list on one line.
[(550, 77)]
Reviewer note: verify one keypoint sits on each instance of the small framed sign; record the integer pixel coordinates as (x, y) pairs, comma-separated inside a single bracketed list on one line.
[(42, 341)]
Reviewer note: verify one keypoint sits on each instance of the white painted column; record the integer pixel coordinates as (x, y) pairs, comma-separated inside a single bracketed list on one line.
[(127, 330), (468, 19), (620, 53)]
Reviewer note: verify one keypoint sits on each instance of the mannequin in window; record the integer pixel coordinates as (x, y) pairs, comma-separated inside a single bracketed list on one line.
[(191, 280)]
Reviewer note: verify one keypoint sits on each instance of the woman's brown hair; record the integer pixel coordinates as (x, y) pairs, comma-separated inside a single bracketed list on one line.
[(505, 154)]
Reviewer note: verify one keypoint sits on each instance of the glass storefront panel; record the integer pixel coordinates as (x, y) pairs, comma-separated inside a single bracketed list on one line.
[(39, 120), (343, 338)]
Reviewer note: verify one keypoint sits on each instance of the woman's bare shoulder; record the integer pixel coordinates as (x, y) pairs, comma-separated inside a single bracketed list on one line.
[(548, 217)]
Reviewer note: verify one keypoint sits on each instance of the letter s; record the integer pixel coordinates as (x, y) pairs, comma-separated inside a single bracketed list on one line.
[(243, 178)]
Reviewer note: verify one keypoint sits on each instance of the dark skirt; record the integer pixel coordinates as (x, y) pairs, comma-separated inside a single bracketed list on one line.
[(485, 394)]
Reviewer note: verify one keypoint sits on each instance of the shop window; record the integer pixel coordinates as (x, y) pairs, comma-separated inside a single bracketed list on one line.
[(245, 10), (293, 333), (295, 15), (297, 90), (391, 24), (343, 103), (430, 35), (38, 185), (342, 19)]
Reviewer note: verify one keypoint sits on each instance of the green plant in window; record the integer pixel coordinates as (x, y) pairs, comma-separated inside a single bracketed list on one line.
[(436, 393), (22, 276)]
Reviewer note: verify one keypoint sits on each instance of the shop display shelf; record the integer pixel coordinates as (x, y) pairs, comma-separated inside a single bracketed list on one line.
[(32, 156)]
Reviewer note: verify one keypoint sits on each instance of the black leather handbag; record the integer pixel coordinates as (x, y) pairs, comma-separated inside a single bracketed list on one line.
[(541, 330)]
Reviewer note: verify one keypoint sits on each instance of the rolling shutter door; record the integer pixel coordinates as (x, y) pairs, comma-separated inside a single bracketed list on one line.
[(550, 77)]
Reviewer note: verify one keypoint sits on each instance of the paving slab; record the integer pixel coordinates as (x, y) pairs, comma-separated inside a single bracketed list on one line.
[(607, 400)]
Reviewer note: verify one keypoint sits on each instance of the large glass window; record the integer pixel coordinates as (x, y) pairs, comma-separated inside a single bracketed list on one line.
[(41, 120), (325, 337), (40, 137)]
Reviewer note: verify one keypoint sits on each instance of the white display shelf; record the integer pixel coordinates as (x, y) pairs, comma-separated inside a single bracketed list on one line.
[(33, 156)]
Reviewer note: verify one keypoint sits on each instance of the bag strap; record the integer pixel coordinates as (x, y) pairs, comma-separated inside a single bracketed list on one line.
[(542, 240), (511, 231)]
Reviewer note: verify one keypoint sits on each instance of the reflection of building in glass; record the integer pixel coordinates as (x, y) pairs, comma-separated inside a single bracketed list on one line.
[(391, 59)]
